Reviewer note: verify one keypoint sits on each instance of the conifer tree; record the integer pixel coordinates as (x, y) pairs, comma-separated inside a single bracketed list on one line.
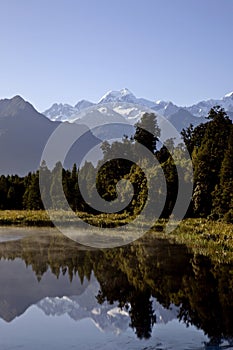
[(142, 135)]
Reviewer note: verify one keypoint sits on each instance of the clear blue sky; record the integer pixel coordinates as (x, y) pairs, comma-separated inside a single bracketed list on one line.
[(66, 50)]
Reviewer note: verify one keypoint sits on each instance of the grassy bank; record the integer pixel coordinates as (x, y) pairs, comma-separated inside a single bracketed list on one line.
[(24, 218), (40, 218), (203, 236)]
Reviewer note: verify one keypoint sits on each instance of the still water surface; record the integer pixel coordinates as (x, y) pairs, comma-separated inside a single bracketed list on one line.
[(150, 295)]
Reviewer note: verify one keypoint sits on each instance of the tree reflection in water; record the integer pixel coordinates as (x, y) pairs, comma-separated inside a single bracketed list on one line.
[(131, 275)]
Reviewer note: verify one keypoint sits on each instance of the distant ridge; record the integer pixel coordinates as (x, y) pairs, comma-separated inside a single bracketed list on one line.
[(24, 133), (180, 117)]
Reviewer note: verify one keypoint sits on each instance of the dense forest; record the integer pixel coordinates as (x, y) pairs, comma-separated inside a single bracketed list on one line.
[(210, 146)]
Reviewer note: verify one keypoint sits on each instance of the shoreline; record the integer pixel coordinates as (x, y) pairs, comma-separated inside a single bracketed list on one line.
[(212, 238)]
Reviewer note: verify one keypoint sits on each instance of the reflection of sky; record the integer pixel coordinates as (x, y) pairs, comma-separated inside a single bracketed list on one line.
[(34, 330)]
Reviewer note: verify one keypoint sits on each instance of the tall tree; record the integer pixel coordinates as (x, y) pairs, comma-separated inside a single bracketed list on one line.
[(143, 135), (223, 194), (208, 159)]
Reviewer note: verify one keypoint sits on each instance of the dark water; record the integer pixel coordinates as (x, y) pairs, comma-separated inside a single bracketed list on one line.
[(56, 294)]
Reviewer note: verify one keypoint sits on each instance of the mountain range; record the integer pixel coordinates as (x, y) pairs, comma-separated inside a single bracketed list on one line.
[(125, 104), (24, 131), (106, 317)]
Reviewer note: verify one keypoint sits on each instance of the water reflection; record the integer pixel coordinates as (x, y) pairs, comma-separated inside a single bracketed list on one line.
[(139, 286)]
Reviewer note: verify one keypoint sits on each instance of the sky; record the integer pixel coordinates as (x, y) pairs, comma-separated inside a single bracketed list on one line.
[(68, 50)]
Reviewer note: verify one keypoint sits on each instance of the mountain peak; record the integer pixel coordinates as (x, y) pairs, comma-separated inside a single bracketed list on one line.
[(18, 101), (83, 104), (124, 95), (230, 94), (125, 92), (12, 106), (18, 98)]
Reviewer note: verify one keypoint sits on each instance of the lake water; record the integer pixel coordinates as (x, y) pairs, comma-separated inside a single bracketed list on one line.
[(149, 295)]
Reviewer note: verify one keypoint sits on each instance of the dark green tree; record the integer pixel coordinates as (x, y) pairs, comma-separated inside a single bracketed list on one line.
[(142, 135), (223, 194), (208, 159), (32, 197)]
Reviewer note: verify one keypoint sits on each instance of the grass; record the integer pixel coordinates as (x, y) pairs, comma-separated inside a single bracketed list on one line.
[(203, 236), (24, 218), (41, 218)]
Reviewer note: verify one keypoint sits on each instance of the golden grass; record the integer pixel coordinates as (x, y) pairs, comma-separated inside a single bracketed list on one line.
[(202, 236)]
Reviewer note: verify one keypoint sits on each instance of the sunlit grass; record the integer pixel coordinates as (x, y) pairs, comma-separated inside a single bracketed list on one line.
[(202, 236), (42, 218)]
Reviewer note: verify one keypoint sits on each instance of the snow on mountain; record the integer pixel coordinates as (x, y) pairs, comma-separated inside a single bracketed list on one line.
[(227, 102), (65, 112), (202, 108), (104, 122), (106, 317), (124, 95), (230, 94), (164, 315), (166, 109), (131, 112), (117, 104), (60, 112), (99, 115)]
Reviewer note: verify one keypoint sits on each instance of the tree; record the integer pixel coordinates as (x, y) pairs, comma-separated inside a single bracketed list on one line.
[(193, 137), (145, 137), (3, 192), (207, 159), (223, 195), (56, 190), (31, 197)]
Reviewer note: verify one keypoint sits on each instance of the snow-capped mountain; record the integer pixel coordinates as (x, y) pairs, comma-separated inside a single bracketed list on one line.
[(166, 109), (66, 112), (127, 105), (104, 122), (123, 95), (106, 317), (99, 115), (60, 112), (202, 108)]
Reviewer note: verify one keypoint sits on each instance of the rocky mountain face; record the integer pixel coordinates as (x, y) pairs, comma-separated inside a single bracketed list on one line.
[(24, 133)]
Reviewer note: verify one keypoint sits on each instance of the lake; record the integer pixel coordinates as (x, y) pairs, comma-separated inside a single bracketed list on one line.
[(148, 295)]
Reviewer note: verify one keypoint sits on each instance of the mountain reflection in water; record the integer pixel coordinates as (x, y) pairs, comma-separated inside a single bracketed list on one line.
[(138, 286)]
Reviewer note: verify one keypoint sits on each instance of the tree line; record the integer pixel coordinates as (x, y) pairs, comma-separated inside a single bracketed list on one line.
[(210, 146)]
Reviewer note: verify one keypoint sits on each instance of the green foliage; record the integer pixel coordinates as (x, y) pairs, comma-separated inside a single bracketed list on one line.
[(208, 158), (145, 137), (210, 146), (31, 197), (223, 194)]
